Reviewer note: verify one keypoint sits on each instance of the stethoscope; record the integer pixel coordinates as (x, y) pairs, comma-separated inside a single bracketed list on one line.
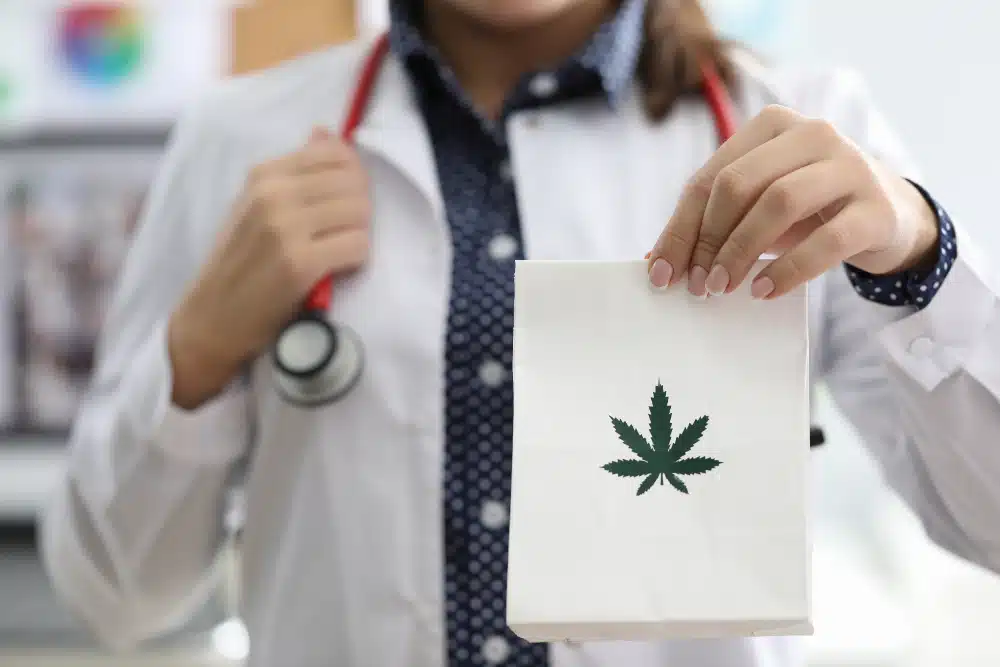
[(318, 361)]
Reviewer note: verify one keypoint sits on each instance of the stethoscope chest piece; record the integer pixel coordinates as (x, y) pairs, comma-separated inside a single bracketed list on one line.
[(316, 362)]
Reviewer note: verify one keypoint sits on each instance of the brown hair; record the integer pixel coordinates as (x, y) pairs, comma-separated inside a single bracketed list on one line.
[(679, 38)]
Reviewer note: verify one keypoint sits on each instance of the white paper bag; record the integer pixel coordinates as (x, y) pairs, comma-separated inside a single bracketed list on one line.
[(608, 369)]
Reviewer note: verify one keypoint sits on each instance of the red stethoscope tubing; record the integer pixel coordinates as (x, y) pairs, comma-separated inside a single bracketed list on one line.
[(321, 296), (718, 100), (716, 96)]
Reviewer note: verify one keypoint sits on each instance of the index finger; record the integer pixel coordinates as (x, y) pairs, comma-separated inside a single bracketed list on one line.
[(671, 255)]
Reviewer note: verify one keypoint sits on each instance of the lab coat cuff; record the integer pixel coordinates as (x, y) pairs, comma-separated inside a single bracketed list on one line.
[(74, 576), (213, 434), (932, 344)]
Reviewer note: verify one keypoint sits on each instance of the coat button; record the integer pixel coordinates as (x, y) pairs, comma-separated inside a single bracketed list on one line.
[(544, 85), (492, 373), (493, 515), (502, 247), (496, 650), (921, 347)]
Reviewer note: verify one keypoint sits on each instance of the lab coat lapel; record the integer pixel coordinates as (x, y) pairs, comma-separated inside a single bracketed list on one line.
[(394, 130)]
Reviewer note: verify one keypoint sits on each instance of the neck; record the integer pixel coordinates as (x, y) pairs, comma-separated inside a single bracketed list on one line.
[(489, 60)]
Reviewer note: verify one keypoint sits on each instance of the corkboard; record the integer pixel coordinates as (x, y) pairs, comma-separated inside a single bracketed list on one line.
[(269, 32)]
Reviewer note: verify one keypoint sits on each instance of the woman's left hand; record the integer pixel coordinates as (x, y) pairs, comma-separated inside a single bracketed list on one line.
[(792, 185)]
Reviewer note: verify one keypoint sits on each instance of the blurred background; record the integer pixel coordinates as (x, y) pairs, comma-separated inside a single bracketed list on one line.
[(88, 92)]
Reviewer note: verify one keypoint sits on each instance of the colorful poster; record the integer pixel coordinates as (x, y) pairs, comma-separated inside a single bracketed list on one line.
[(102, 44), (113, 64)]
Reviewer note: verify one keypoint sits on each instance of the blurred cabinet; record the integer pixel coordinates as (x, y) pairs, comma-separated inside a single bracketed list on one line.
[(268, 32)]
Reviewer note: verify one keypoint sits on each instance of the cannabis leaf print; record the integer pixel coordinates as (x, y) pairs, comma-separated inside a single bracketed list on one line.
[(662, 460)]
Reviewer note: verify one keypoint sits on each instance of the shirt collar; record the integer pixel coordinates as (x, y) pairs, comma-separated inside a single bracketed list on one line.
[(612, 53)]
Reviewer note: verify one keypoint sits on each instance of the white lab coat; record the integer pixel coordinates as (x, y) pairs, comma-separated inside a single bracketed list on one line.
[(343, 539)]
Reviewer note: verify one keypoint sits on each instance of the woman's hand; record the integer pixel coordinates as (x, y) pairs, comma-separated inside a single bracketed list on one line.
[(300, 217), (792, 185)]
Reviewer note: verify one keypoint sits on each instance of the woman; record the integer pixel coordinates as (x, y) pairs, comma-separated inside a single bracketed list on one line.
[(376, 526)]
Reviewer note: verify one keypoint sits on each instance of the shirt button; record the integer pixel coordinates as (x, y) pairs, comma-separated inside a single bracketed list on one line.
[(921, 347), (544, 85), (495, 650), (493, 515), (502, 247), (492, 373)]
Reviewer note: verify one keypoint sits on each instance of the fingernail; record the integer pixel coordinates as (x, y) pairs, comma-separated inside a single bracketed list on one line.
[(696, 281), (761, 287), (718, 280), (660, 273)]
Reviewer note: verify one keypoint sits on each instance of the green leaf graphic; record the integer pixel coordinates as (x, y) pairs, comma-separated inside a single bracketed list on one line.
[(688, 438), (633, 439), (659, 421), (647, 485), (676, 482), (698, 465), (662, 460), (628, 468)]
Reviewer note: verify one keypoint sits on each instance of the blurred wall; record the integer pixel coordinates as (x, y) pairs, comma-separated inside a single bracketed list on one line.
[(269, 32), (932, 67)]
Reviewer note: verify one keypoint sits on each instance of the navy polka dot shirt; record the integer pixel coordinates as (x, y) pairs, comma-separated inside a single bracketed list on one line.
[(480, 199)]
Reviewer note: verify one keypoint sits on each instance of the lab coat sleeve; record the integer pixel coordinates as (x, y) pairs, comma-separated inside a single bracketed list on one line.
[(134, 528), (921, 387)]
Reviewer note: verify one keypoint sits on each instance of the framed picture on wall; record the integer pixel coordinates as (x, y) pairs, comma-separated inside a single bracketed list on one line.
[(68, 208)]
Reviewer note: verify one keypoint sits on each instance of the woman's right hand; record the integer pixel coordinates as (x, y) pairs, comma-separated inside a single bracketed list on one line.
[(300, 217)]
